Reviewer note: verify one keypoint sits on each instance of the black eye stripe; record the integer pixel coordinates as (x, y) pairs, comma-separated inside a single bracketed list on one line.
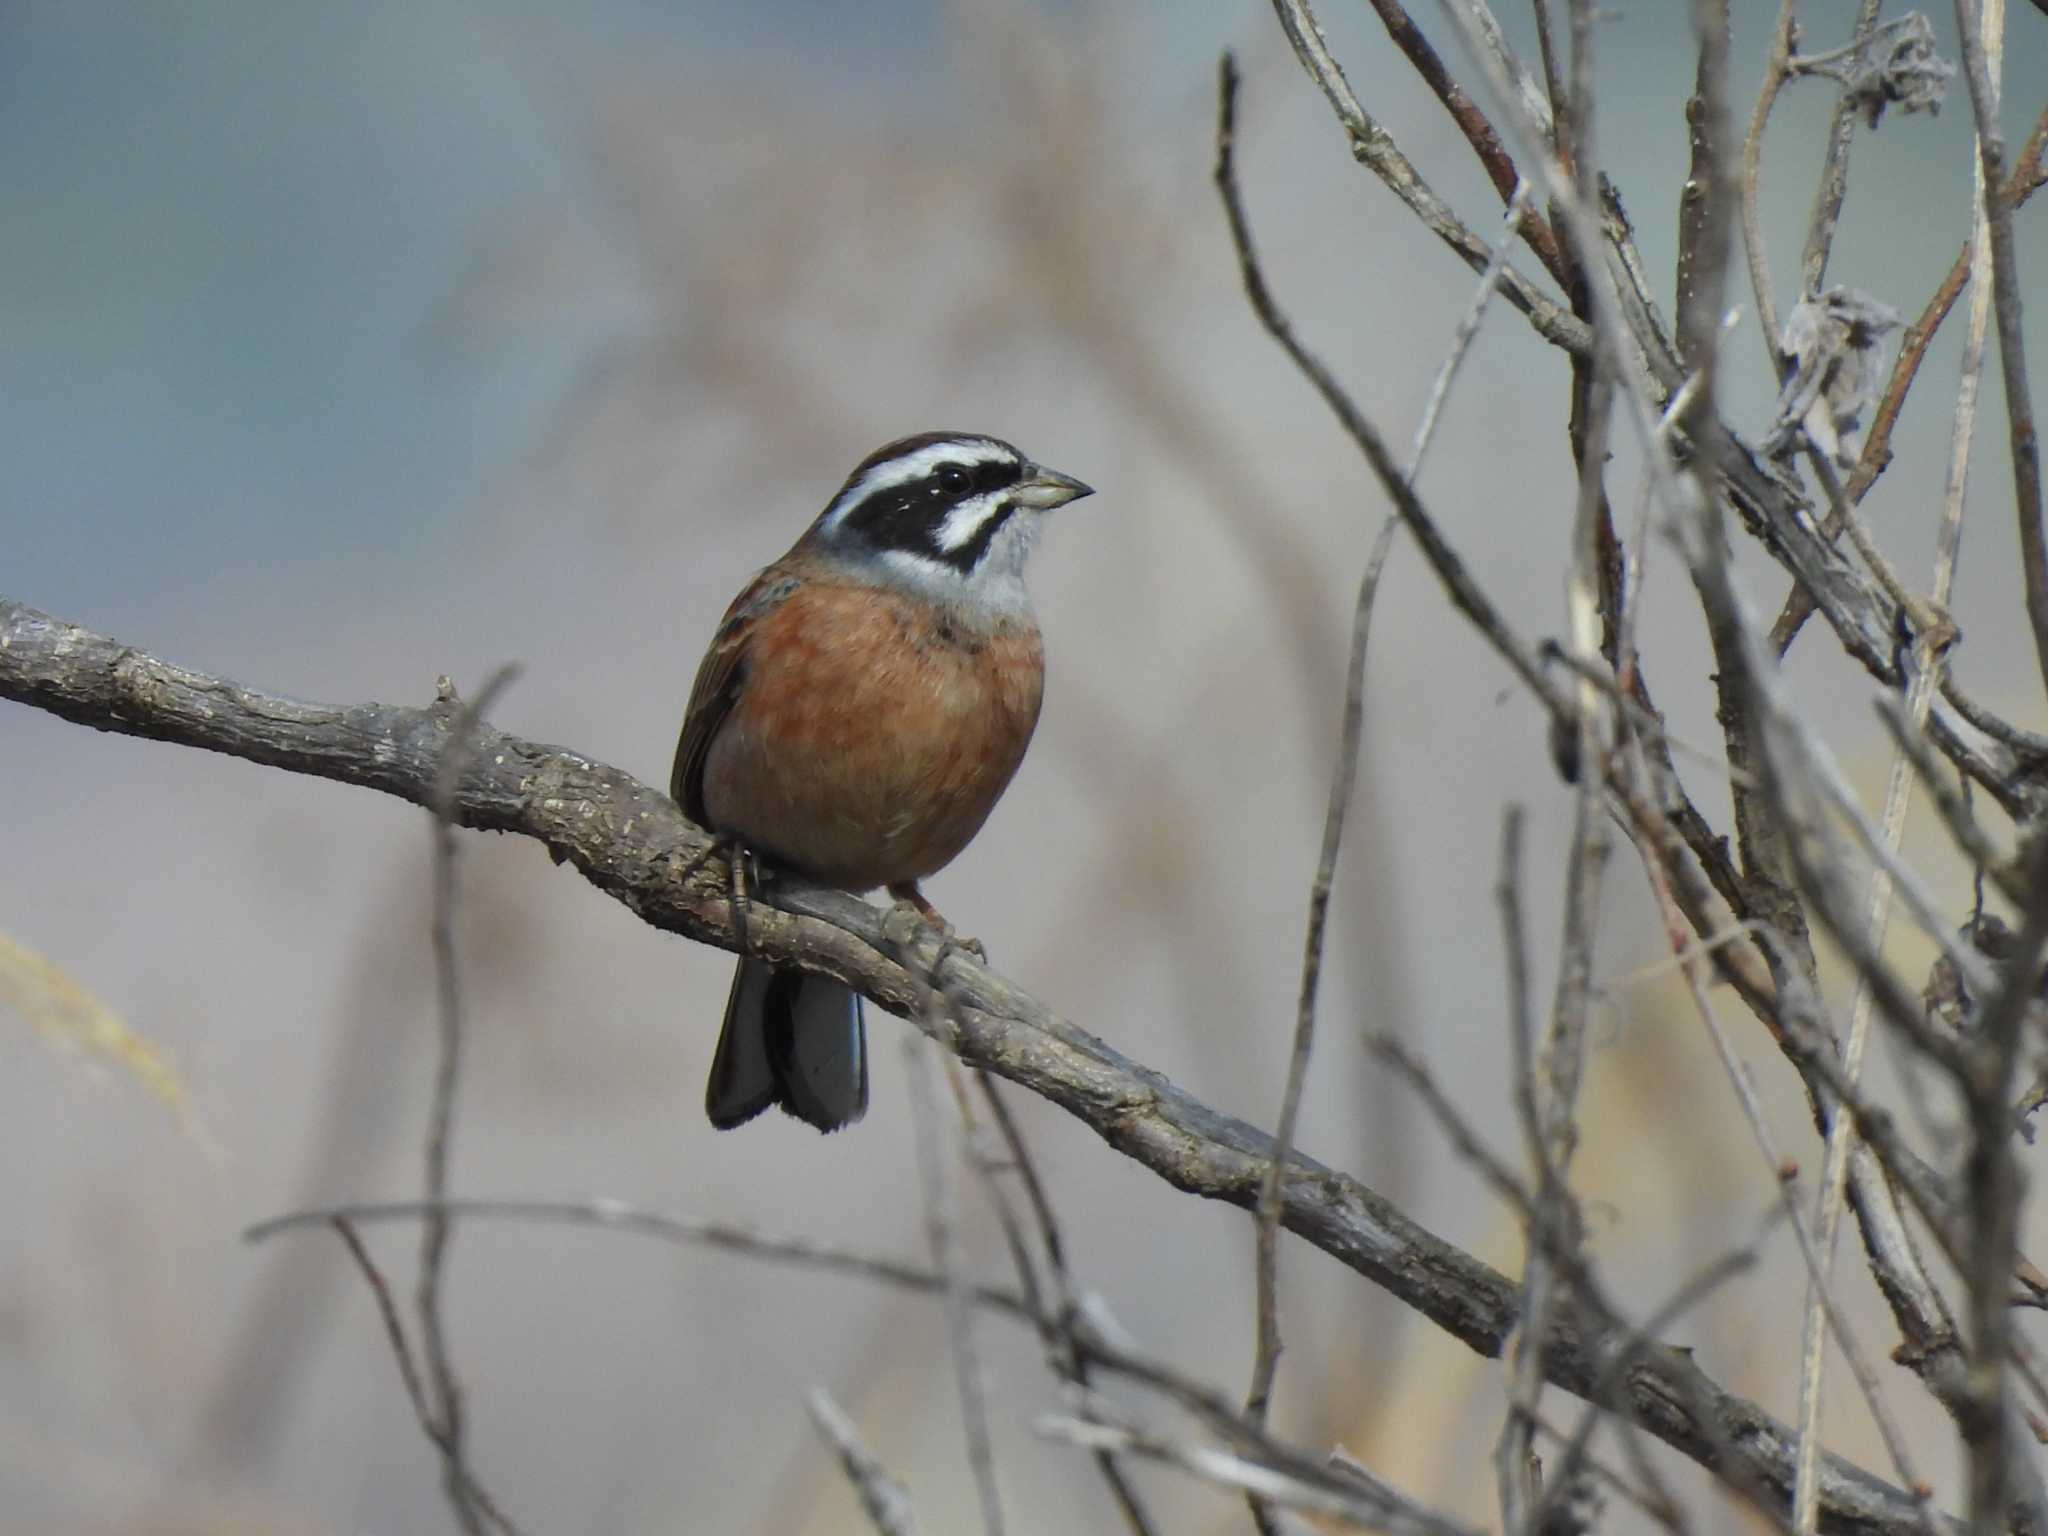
[(910, 516)]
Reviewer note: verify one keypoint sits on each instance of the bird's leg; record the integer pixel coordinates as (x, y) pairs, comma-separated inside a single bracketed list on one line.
[(736, 870), (729, 849), (908, 894)]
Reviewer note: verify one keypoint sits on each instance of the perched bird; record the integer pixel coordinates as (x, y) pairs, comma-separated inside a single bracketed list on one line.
[(860, 711)]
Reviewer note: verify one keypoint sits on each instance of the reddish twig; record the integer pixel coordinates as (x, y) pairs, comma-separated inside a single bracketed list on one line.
[(1486, 143), (2028, 176)]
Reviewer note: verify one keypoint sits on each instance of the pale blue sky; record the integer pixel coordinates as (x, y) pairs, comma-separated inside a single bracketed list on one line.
[(232, 225)]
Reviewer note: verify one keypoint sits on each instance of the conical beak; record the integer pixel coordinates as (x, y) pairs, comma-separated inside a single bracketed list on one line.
[(1045, 489)]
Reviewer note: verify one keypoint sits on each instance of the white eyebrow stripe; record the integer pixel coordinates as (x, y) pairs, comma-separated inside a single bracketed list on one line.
[(915, 466), (966, 520)]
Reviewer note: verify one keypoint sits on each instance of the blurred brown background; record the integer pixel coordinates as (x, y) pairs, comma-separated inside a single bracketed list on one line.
[(352, 346)]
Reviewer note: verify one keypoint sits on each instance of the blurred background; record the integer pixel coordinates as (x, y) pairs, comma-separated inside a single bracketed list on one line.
[(347, 346)]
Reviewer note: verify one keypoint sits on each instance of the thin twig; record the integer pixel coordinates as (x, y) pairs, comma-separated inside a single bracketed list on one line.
[(1951, 802), (1708, 228), (1694, 1290), (1783, 1173), (1100, 1345), (1343, 776), (444, 1391), (619, 1215), (1993, 1180), (1898, 790), (1308, 1486), (1841, 1139), (1513, 1448), (1629, 337), (1834, 174), (1464, 593), (1374, 148), (1775, 75), (1493, 156), (1266, 1359), (389, 1315), (1553, 82), (885, 1500), (473, 1501), (988, 1167), (941, 1219), (1530, 101), (1468, 327), (1465, 1141), (1981, 35), (1067, 1358)]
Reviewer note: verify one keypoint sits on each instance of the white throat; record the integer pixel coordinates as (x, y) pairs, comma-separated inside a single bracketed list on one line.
[(994, 588)]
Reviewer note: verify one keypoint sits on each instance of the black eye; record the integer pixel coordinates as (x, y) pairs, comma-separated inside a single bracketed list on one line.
[(953, 479)]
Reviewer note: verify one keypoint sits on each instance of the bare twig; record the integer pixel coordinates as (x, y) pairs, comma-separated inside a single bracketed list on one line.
[(1513, 1449), (1529, 101), (1374, 148), (1992, 1198), (1465, 1140), (1993, 1178), (389, 1315), (1981, 26), (882, 1497), (1468, 327), (1564, 1043), (1464, 593), (941, 1210), (1695, 1289), (1479, 133), (1772, 510), (1067, 1359), (1834, 174), (1949, 801), (1306, 1485), (444, 1391), (470, 1501), (1775, 75), (1094, 1343), (1842, 1133), (1343, 776), (1783, 1172), (1703, 260), (618, 1215), (1553, 81)]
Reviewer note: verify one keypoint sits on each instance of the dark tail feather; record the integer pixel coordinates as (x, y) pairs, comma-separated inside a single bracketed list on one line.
[(792, 1040)]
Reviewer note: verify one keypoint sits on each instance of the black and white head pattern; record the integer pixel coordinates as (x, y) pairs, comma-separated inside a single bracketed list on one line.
[(950, 513)]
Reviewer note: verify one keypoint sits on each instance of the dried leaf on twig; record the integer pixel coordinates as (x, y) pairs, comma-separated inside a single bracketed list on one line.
[(1833, 373), (1898, 66)]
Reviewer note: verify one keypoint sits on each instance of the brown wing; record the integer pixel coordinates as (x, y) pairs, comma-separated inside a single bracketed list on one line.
[(719, 679)]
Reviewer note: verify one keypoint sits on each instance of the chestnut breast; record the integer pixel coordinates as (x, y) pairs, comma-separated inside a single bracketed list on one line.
[(872, 733)]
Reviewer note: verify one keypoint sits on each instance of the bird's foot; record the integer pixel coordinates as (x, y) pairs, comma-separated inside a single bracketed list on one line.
[(742, 874), (908, 895)]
